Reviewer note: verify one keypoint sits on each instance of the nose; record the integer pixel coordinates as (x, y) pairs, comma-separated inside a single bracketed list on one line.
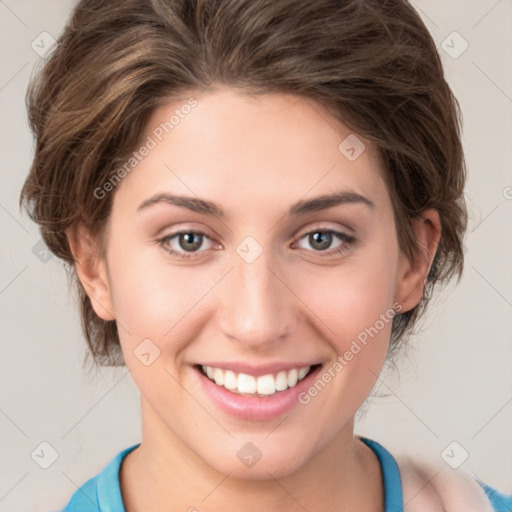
[(258, 308)]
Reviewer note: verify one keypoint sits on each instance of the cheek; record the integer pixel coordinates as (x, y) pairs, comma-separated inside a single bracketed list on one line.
[(151, 298), (154, 308), (353, 305), (354, 295)]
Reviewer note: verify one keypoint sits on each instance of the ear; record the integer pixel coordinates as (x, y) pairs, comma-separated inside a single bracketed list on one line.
[(412, 275), (91, 270)]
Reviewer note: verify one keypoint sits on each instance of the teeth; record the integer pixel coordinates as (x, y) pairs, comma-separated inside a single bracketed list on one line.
[(247, 384), (266, 385), (281, 381), (218, 376), (230, 380), (302, 373), (293, 377)]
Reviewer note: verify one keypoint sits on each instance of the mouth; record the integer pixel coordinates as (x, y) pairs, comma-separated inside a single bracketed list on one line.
[(255, 398), (250, 385)]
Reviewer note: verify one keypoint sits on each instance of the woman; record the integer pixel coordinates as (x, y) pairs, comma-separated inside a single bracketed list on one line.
[(257, 200)]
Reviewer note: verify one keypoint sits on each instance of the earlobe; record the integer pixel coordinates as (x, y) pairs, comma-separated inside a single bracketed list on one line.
[(412, 275), (91, 270)]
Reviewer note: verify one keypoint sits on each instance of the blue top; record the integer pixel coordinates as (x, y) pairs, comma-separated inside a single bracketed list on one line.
[(102, 493)]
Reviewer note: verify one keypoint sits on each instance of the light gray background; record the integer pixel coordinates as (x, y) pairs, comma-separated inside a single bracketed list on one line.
[(455, 384)]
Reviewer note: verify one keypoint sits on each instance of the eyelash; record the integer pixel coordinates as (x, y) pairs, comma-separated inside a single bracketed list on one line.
[(347, 240)]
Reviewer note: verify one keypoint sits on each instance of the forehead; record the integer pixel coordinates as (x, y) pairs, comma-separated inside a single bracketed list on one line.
[(246, 150)]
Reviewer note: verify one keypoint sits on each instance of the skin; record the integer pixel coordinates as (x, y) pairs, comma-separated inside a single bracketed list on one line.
[(255, 156)]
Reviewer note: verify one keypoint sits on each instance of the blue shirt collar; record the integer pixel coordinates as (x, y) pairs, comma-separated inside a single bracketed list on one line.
[(109, 497)]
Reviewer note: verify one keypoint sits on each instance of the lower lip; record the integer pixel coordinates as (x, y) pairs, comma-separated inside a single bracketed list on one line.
[(253, 407)]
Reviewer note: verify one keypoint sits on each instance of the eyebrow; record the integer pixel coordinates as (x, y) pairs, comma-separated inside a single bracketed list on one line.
[(300, 208)]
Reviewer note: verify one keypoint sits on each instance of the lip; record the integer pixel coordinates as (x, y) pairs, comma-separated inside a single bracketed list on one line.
[(255, 408), (256, 371)]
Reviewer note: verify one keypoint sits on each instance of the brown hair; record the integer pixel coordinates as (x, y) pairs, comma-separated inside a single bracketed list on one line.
[(371, 63)]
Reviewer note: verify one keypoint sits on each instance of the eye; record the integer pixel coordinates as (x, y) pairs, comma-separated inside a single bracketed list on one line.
[(185, 243), (182, 242), (321, 239)]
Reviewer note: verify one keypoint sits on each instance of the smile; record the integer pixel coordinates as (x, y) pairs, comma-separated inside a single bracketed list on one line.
[(264, 385), (255, 393)]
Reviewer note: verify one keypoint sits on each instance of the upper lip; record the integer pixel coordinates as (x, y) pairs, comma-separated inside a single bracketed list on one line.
[(257, 371)]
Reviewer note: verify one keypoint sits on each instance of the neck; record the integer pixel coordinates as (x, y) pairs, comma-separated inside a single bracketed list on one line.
[(163, 473)]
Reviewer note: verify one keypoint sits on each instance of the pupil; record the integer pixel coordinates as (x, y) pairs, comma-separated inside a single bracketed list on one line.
[(323, 238), (192, 241)]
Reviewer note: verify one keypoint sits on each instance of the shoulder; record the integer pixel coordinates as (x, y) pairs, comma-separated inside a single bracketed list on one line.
[(101, 492), (432, 486), (501, 502), (85, 498)]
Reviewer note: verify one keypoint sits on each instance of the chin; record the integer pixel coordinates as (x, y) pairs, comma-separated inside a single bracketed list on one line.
[(251, 463)]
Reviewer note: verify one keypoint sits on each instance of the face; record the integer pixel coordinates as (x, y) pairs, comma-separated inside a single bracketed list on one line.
[(265, 288)]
